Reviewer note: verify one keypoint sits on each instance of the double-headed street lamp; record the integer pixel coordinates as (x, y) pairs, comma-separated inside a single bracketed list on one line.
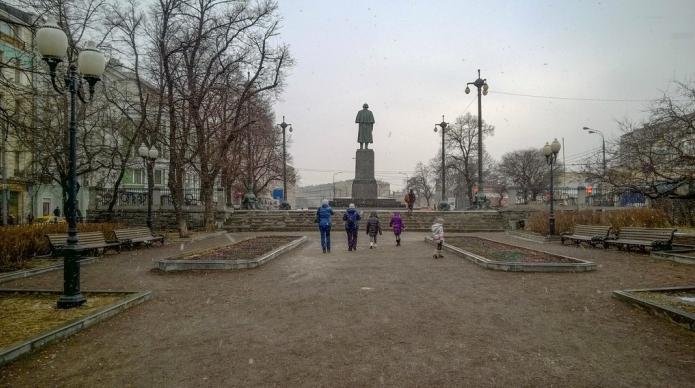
[(52, 43), (550, 151), (481, 84), (149, 156), (603, 145), (283, 125), (443, 205)]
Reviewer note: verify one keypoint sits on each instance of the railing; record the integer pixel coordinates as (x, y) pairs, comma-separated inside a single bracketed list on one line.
[(580, 197), (130, 197)]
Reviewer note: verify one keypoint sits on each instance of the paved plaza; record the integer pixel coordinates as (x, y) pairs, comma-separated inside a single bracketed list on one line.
[(390, 316)]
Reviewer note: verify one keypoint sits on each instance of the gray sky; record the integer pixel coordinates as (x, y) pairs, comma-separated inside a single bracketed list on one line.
[(410, 60)]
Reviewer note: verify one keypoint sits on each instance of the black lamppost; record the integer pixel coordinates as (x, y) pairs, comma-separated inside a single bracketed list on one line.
[(283, 125), (148, 158), (481, 84), (52, 43), (443, 205), (550, 151), (603, 145)]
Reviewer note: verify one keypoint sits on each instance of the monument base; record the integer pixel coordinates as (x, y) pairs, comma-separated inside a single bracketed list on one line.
[(364, 186), (364, 189), (373, 203)]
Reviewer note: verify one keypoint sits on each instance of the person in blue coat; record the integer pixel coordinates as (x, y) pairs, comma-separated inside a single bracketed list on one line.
[(352, 218), (323, 218)]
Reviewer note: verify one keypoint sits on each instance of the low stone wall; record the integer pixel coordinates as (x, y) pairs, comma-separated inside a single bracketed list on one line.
[(162, 218)]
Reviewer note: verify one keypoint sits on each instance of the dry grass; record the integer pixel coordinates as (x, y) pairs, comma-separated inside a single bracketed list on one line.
[(19, 243), (566, 219), (27, 315)]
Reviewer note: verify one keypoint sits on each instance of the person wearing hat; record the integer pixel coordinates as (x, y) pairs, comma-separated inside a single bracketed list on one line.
[(351, 218)]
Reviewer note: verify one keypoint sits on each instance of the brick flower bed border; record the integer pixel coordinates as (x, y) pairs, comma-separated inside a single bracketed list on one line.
[(673, 314), (25, 273), (179, 263), (131, 298), (579, 265)]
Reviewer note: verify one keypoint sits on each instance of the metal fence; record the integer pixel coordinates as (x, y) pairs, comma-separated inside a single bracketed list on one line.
[(581, 197)]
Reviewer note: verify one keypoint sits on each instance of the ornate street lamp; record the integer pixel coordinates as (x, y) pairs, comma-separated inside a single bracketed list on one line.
[(550, 151), (149, 156), (481, 84), (443, 205), (52, 43), (283, 125)]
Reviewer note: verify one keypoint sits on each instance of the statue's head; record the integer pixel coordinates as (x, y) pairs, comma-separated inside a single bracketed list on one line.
[(365, 106)]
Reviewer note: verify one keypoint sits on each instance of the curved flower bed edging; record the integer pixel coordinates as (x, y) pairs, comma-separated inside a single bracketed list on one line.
[(669, 310), (181, 263), (575, 265), (15, 350)]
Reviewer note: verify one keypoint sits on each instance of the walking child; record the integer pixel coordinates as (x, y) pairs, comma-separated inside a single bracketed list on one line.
[(373, 228), (438, 237), (351, 218), (396, 224)]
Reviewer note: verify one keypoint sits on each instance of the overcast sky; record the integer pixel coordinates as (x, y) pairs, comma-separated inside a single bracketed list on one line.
[(410, 60)]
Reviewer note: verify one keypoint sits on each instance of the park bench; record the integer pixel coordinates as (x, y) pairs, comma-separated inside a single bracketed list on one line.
[(137, 235), (654, 238), (86, 241), (590, 234)]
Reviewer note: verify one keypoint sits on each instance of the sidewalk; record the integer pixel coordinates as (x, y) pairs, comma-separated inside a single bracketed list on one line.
[(390, 316)]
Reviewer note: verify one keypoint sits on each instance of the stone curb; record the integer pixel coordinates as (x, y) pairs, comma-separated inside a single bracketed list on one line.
[(581, 266), (14, 351), (680, 317), (25, 273), (672, 256), (168, 265)]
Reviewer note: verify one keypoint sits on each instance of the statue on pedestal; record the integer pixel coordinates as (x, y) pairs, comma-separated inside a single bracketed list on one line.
[(365, 119)]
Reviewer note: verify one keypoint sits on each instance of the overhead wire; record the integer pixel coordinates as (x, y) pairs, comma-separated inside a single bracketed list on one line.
[(588, 99)]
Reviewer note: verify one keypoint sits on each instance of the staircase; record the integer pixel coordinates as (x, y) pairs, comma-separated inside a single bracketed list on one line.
[(302, 220)]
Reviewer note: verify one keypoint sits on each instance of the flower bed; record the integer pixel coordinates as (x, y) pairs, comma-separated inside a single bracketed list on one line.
[(677, 304), (30, 318), (504, 257), (248, 253), (245, 249)]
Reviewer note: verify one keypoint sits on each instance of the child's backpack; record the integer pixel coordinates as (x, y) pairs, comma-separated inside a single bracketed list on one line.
[(351, 220)]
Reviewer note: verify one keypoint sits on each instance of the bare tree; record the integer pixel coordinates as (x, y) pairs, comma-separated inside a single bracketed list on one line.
[(462, 146), (655, 158), (526, 169), (422, 182)]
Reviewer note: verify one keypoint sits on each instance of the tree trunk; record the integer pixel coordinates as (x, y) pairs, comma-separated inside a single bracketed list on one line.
[(207, 186)]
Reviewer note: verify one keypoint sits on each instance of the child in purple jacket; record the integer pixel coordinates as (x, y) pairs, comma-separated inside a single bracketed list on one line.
[(397, 225)]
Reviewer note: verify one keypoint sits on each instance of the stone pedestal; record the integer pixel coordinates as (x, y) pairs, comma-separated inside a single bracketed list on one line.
[(364, 186)]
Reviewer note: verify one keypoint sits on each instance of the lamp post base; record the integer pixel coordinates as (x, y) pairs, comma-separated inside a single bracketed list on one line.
[(481, 202), (443, 206), (71, 297), (70, 301), (551, 225)]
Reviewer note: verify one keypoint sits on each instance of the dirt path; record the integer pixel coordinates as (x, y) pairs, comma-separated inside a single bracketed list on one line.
[(390, 316)]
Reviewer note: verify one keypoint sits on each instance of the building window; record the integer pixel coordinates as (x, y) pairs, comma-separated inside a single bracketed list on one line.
[(17, 71), (46, 207), (17, 163), (6, 28), (133, 176), (158, 177)]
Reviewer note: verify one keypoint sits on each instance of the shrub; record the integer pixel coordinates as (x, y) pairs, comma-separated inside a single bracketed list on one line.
[(618, 218), (18, 243)]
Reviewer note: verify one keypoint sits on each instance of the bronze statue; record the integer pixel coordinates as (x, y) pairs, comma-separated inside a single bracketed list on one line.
[(365, 119)]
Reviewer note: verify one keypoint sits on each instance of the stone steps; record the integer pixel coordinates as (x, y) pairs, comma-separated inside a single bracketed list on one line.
[(474, 221)]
